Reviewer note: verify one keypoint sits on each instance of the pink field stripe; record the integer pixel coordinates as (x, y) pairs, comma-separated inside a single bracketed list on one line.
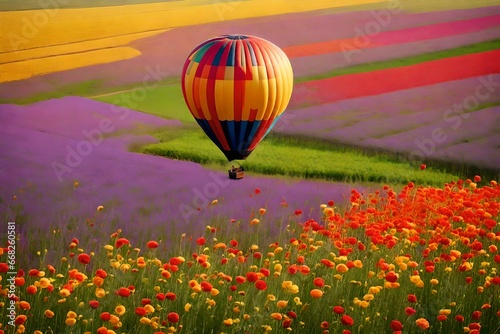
[(402, 36), (383, 81)]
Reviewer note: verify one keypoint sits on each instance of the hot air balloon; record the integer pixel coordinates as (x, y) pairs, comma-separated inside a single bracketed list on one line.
[(237, 87)]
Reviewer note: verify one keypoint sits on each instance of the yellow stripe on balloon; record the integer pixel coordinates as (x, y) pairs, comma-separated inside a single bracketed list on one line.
[(203, 98), (189, 81), (228, 101)]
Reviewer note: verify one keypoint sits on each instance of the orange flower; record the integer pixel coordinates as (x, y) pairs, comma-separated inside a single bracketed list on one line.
[(24, 305), (316, 293), (20, 319), (48, 313), (422, 323), (342, 268)]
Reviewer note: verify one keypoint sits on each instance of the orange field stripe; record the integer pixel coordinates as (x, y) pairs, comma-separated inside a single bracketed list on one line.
[(392, 37)]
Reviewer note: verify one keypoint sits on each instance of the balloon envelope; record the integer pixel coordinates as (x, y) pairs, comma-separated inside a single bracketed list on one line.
[(236, 88)]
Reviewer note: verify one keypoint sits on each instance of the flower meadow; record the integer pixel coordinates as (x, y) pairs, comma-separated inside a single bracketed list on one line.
[(419, 259)]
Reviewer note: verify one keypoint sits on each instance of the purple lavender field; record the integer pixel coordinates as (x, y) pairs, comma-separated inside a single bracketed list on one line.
[(47, 148)]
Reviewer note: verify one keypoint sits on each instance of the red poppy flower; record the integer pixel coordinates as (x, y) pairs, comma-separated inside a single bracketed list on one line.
[(391, 277), (120, 242), (412, 298), (33, 272), (84, 258), (410, 311), (94, 304), (101, 273), (347, 320), (105, 316), (205, 286), (141, 311), (338, 309), (31, 289), (252, 276), (123, 292), (152, 244), (173, 317), (396, 325), (261, 285), (201, 241), (423, 166), (170, 296), (319, 282), (476, 315)]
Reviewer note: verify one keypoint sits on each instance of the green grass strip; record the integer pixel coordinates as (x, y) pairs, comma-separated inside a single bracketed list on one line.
[(291, 157)]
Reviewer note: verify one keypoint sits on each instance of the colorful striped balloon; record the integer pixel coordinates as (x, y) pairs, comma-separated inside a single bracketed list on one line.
[(236, 88)]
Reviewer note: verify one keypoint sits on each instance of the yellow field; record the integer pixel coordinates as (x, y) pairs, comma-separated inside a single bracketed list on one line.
[(43, 41), (28, 68)]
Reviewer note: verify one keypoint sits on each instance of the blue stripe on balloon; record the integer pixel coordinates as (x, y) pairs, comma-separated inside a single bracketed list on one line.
[(272, 125), (232, 135), (253, 130), (231, 60), (203, 123), (218, 56)]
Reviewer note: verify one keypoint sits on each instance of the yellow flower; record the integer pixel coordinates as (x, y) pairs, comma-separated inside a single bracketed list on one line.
[(64, 292), (120, 310), (254, 222), (99, 292), (282, 303), (445, 311), (363, 304), (271, 298), (145, 321), (374, 289), (100, 208), (214, 292), (149, 308), (187, 307), (434, 281), (368, 297), (44, 282), (358, 263), (71, 314)]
